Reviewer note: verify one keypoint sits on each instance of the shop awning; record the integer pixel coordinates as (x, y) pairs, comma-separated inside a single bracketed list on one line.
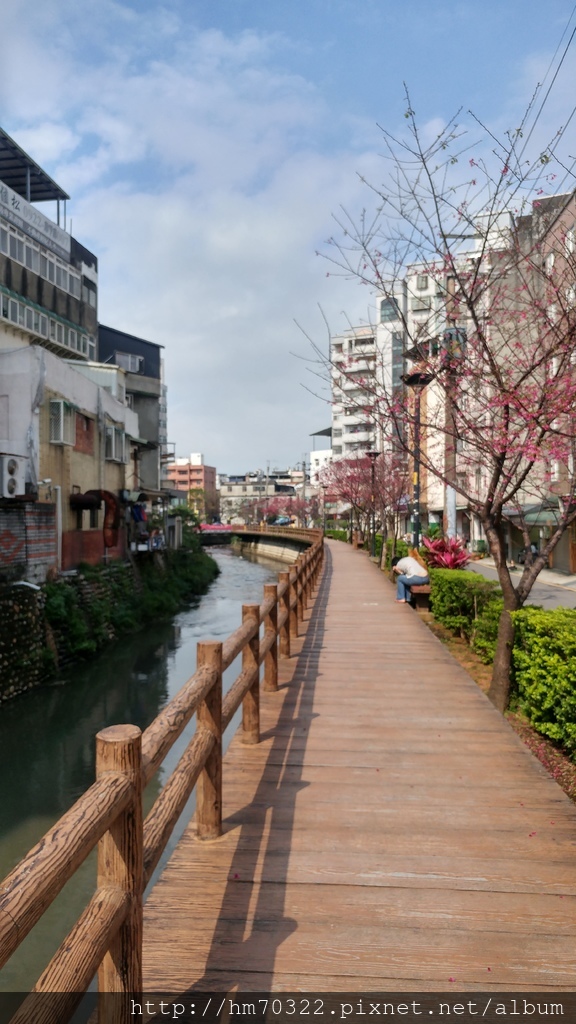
[(543, 513)]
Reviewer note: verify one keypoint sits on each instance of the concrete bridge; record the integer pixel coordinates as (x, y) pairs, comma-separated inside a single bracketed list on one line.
[(375, 825)]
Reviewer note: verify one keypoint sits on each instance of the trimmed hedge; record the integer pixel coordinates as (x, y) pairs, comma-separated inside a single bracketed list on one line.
[(469, 605), (337, 534), (543, 656), (544, 664)]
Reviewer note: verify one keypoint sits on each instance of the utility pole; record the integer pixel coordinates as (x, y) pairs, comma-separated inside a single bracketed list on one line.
[(453, 338), (449, 518)]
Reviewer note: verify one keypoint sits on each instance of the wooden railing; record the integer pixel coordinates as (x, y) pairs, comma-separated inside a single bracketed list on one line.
[(107, 937)]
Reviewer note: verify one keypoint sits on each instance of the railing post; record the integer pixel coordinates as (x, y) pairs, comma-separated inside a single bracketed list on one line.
[(293, 603), (251, 660), (300, 588), (284, 577), (271, 626), (309, 573), (120, 866), (209, 716)]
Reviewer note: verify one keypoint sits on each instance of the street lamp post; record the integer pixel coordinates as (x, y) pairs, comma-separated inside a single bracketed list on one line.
[(323, 486), (417, 381), (373, 456)]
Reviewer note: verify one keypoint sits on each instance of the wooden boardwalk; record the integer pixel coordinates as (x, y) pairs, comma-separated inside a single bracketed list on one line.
[(389, 833)]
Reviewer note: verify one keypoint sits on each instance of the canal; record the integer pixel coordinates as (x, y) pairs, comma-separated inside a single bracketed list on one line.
[(47, 738)]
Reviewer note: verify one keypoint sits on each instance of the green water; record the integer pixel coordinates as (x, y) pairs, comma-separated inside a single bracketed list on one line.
[(47, 739)]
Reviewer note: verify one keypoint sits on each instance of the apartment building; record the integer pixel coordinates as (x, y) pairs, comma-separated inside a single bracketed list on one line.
[(48, 280), (143, 367), (66, 438), (198, 480), (356, 367), (244, 498)]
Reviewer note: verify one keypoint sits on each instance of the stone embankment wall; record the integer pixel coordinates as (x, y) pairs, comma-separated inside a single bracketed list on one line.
[(22, 639), (43, 630)]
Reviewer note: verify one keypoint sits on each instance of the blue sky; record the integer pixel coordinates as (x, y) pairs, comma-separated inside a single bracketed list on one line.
[(206, 145)]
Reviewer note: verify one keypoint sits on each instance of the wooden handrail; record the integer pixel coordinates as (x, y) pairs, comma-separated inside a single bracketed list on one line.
[(36, 881), (108, 934)]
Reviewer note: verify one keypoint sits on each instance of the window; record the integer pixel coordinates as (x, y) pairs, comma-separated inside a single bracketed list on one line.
[(89, 292), (129, 362), (115, 444), (61, 277), (93, 518), (16, 248), (74, 285), (422, 282), (62, 422), (421, 304), (389, 310), (569, 241), (32, 259)]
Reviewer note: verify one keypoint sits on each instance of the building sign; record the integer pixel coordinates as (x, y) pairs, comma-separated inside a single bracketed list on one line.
[(27, 218)]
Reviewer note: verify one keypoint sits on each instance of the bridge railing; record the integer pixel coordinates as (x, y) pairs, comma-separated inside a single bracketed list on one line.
[(107, 937)]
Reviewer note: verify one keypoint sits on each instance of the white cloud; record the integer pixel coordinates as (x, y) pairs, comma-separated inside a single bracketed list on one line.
[(203, 171)]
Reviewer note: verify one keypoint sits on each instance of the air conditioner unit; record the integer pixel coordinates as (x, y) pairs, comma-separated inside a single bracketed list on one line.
[(13, 475)]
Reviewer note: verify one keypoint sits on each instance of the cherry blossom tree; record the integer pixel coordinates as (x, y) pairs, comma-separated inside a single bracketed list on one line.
[(490, 229)]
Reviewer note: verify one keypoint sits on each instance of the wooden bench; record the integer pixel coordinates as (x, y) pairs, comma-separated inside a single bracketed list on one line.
[(420, 596)]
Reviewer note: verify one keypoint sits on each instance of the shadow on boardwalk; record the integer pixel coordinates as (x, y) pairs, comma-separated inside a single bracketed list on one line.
[(389, 833)]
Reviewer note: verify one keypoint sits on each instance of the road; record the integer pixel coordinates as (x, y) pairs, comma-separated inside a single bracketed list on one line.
[(544, 594)]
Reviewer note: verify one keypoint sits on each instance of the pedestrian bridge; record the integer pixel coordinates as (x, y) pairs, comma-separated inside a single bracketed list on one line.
[(375, 824)]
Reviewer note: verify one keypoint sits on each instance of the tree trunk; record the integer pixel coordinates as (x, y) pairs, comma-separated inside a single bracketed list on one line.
[(499, 692)]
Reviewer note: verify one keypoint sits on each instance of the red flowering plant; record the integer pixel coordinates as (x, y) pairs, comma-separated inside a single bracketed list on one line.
[(476, 283), (446, 554)]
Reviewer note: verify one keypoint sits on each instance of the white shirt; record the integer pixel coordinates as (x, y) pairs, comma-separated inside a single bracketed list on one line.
[(411, 567)]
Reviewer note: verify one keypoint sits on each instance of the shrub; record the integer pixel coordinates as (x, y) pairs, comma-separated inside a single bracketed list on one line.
[(544, 665), (402, 550), (459, 598), (485, 630), (444, 553), (103, 602), (337, 534)]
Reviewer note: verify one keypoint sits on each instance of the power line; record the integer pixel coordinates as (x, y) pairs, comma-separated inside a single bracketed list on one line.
[(555, 76)]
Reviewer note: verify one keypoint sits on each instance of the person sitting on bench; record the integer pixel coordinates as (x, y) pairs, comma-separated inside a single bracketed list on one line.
[(410, 574)]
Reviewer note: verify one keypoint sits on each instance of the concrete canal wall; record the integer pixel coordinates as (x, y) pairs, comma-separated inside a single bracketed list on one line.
[(280, 547)]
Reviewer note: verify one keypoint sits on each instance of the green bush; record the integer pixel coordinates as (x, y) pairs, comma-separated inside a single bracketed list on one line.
[(337, 534), (402, 550), (65, 615), (485, 630), (460, 598), (544, 665), (103, 602)]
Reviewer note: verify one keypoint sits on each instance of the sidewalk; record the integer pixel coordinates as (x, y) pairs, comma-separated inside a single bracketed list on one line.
[(551, 577)]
